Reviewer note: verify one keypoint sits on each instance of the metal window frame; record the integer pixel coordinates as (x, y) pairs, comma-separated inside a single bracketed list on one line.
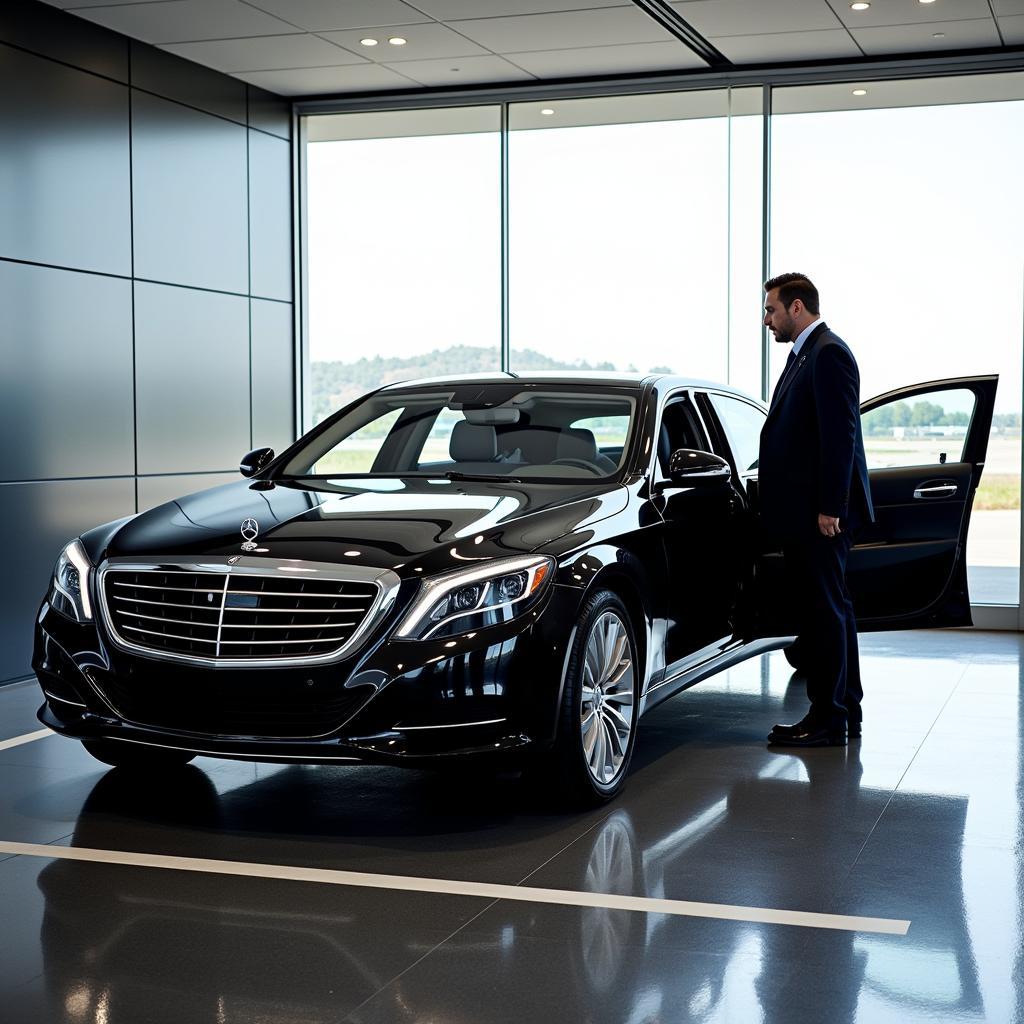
[(768, 77)]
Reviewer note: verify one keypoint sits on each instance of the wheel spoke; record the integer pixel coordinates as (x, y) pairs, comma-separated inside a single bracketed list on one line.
[(614, 742), (618, 657), (620, 696), (589, 730), (597, 756), (611, 633), (619, 724)]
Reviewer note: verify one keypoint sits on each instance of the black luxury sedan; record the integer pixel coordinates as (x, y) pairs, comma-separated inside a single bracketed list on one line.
[(503, 570)]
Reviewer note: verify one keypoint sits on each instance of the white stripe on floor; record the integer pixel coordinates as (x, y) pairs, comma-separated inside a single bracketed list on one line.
[(486, 890), (16, 741)]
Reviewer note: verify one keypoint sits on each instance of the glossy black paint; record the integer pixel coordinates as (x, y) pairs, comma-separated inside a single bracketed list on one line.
[(681, 558)]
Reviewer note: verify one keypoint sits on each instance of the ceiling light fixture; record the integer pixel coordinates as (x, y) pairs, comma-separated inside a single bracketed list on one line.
[(397, 41), (547, 111), (926, 1), (862, 6), (368, 42), (860, 92), (938, 35)]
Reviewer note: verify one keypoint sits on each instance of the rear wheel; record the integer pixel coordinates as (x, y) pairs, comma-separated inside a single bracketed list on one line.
[(121, 754), (598, 717)]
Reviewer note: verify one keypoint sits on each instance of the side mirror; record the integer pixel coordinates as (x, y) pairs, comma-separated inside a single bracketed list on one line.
[(256, 460), (690, 468)]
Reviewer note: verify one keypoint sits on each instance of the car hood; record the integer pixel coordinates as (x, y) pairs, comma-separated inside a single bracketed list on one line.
[(414, 525)]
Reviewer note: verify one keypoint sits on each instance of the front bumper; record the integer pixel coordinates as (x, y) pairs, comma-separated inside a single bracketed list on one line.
[(493, 694)]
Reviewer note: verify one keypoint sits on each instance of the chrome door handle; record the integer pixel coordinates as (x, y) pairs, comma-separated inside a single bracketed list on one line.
[(939, 491)]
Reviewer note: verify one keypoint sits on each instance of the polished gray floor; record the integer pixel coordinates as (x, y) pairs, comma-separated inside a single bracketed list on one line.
[(920, 820)]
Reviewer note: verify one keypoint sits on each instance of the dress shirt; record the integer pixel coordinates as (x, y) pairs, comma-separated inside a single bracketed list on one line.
[(802, 336)]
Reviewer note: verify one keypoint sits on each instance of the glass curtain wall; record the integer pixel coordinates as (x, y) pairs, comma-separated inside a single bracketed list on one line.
[(902, 201), (635, 234), (404, 249), (622, 253)]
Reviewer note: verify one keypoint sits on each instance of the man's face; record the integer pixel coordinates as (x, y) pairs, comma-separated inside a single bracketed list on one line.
[(777, 318)]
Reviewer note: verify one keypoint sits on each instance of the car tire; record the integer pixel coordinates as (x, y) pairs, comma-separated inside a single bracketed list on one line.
[(597, 723), (131, 755)]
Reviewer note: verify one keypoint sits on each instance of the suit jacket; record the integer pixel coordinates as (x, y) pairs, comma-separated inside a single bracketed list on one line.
[(812, 458)]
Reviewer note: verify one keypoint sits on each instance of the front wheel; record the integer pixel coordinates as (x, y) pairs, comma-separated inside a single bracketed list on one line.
[(132, 755), (598, 717)]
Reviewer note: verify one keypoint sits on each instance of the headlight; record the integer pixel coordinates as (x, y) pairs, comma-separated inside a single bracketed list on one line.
[(70, 592), (473, 598)]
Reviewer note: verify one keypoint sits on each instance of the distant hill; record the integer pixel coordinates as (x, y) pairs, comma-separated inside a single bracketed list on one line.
[(334, 384)]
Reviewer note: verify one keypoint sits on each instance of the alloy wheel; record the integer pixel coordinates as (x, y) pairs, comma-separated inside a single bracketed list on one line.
[(608, 698)]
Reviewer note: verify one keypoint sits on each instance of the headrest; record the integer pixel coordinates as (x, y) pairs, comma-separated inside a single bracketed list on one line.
[(471, 442), (577, 443)]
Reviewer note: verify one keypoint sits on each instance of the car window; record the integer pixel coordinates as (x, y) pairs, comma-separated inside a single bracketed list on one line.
[(503, 429), (742, 423), (357, 452), (680, 428), (920, 431)]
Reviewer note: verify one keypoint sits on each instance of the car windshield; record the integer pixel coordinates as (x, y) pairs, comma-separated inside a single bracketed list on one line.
[(480, 430)]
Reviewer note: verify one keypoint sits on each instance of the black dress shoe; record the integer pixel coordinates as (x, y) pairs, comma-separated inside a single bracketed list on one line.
[(787, 730), (809, 736)]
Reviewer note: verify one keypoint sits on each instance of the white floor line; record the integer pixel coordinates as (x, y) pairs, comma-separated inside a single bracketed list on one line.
[(487, 890), (17, 741)]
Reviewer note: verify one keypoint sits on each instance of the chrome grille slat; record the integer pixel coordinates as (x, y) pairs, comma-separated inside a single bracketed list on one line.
[(315, 625), (145, 603)]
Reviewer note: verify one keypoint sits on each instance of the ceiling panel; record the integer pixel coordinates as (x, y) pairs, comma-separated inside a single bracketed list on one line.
[(265, 53), (327, 15), (607, 60), (449, 10), (741, 17), (909, 12), (780, 46), (1008, 6), (422, 42), (310, 81), (936, 35), (462, 71), (564, 31), (177, 21), (1013, 30)]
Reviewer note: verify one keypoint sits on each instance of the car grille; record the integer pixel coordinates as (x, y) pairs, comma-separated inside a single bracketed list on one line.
[(228, 617)]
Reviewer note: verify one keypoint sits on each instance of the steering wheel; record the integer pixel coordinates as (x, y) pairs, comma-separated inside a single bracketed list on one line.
[(580, 464)]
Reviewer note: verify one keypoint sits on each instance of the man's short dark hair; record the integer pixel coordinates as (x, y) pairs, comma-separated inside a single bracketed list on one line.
[(792, 287)]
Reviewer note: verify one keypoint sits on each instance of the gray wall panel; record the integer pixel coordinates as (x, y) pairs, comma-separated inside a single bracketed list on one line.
[(66, 352), (270, 216), (273, 375), (178, 79), (190, 196), (64, 166), (155, 490), (192, 379), (42, 517), (50, 33), (270, 113)]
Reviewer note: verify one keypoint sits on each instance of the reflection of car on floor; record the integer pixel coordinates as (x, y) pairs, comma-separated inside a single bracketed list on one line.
[(505, 568)]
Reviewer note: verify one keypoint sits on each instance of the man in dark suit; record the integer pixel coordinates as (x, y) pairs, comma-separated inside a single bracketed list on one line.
[(814, 494)]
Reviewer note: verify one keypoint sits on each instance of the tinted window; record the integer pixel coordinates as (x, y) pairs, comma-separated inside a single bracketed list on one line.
[(742, 423)]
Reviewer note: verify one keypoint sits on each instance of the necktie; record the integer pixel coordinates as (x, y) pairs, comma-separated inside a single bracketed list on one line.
[(785, 373)]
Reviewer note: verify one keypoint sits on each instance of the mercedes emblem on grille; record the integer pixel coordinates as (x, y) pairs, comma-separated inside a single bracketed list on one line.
[(250, 531)]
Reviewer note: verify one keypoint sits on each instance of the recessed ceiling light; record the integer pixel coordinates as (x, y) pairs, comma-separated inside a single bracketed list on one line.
[(547, 111), (926, 1), (938, 35), (860, 92), (397, 41), (861, 6), (368, 42)]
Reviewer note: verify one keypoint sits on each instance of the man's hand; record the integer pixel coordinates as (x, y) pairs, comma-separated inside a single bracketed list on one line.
[(829, 525)]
